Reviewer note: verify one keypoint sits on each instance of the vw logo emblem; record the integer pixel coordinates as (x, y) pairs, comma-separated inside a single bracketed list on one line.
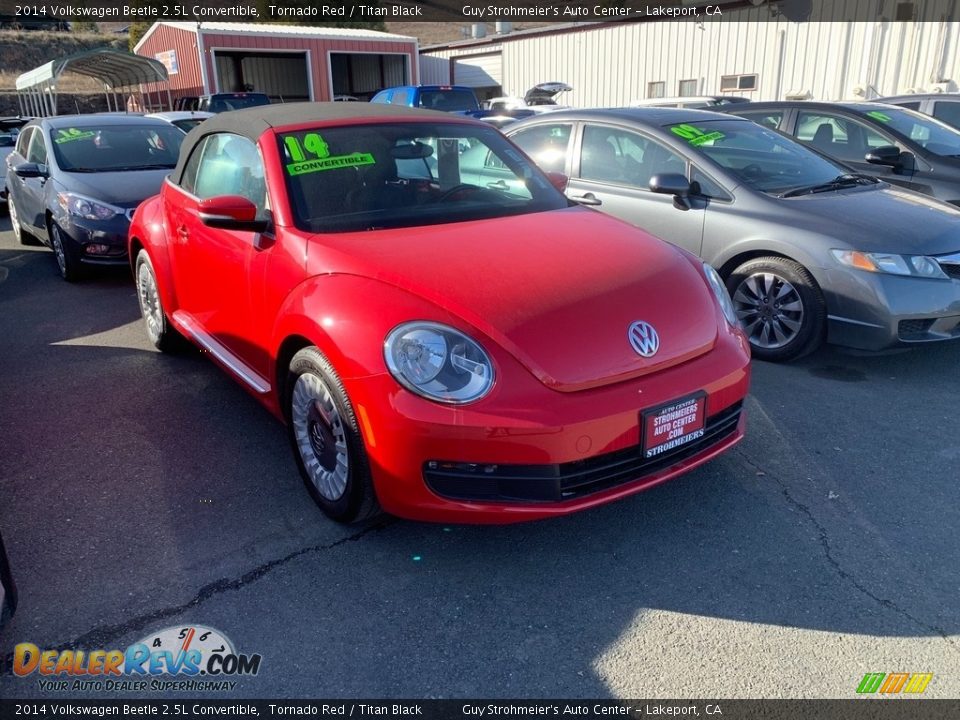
[(643, 338)]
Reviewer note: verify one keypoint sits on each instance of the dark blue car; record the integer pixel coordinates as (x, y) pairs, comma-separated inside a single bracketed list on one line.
[(74, 182)]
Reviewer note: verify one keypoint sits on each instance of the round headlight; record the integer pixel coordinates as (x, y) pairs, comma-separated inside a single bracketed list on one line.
[(438, 362), (723, 297)]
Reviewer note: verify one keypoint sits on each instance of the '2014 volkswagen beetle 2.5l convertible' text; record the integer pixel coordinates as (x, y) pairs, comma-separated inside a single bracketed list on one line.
[(440, 350)]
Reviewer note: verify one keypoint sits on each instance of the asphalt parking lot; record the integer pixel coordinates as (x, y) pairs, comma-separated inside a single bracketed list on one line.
[(140, 491)]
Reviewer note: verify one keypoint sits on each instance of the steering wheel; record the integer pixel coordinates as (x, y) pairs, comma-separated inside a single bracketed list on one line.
[(461, 187), (752, 170)]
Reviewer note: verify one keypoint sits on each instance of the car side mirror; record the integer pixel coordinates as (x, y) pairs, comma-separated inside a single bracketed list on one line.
[(670, 184), (885, 155), (558, 180), (29, 170), (232, 212)]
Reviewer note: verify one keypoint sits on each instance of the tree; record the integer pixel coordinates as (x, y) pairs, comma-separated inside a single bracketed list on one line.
[(137, 31), (84, 26)]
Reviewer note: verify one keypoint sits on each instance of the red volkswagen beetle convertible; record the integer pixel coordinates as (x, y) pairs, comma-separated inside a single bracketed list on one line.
[(439, 349)]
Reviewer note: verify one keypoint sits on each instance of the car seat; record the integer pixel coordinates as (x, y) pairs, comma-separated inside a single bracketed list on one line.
[(823, 137)]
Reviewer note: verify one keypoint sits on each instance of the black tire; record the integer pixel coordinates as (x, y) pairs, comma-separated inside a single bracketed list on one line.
[(780, 306), (22, 236), (67, 263), (326, 440), (160, 332)]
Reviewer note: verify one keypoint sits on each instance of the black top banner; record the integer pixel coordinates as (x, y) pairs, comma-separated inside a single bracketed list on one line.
[(28, 14), (862, 709)]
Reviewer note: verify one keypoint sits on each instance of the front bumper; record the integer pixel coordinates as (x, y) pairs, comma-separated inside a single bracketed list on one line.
[(877, 311), (83, 235), (555, 453)]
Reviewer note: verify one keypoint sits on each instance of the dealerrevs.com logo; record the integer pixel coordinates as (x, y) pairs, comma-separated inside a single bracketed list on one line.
[(176, 658)]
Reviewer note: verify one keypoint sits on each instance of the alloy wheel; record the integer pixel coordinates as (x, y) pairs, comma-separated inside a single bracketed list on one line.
[(149, 302), (320, 437), (770, 309)]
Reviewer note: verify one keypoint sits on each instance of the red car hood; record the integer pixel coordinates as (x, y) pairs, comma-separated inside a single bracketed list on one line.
[(558, 290)]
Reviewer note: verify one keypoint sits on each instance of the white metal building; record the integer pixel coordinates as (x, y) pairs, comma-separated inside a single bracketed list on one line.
[(752, 52)]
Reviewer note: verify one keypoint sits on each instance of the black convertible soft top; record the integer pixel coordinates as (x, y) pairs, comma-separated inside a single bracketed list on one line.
[(252, 122)]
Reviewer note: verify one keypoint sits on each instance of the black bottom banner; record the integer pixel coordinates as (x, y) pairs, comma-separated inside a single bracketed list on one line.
[(859, 709)]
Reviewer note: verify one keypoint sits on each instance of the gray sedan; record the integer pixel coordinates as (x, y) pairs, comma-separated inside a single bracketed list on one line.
[(809, 250)]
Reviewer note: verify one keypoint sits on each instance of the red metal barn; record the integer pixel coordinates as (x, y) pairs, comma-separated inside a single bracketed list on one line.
[(287, 62)]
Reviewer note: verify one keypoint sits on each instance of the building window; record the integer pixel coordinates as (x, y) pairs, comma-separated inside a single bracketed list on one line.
[(687, 88), (656, 89), (734, 83)]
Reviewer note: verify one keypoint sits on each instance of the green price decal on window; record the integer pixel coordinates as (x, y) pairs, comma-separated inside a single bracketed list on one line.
[(694, 135), (72, 134), (315, 146), (877, 115)]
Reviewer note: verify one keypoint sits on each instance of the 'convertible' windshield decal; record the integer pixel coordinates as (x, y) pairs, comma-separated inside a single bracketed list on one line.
[(695, 136), (73, 134), (330, 163)]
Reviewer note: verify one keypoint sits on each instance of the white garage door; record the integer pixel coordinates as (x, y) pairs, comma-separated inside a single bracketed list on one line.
[(480, 71)]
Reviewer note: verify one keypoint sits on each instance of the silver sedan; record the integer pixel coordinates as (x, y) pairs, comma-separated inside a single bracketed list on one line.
[(809, 250)]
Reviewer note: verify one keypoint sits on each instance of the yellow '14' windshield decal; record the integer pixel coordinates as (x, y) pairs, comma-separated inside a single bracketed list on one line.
[(72, 134), (322, 160), (694, 135)]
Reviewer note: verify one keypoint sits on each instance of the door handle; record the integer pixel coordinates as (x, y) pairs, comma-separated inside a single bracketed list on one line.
[(586, 199), (498, 185)]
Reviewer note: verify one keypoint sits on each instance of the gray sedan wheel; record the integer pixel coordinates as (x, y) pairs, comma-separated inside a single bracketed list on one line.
[(780, 307), (326, 439)]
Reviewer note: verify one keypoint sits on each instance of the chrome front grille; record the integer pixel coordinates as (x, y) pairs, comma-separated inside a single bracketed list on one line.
[(950, 264)]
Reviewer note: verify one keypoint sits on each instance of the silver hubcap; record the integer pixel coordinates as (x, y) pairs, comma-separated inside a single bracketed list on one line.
[(59, 251), (14, 220), (149, 301), (320, 437), (770, 309)]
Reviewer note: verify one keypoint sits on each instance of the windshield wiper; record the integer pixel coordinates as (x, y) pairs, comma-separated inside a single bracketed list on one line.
[(839, 182), (140, 167)]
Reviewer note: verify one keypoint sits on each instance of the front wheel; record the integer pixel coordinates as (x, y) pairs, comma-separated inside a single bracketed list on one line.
[(67, 263), (780, 307), (326, 440), (161, 333)]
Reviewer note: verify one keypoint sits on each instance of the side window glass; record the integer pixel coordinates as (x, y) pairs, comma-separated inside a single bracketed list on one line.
[(838, 136), (188, 180), (770, 119), (546, 144), (624, 158), (231, 165), (707, 187), (38, 150), (23, 142), (912, 106), (948, 112), (401, 97)]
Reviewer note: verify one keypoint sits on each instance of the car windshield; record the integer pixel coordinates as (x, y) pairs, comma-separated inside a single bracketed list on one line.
[(448, 100), (932, 135), (761, 159), (188, 124), (223, 103), (405, 175), (115, 148)]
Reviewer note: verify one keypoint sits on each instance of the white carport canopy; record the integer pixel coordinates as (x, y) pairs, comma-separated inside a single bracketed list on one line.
[(117, 70)]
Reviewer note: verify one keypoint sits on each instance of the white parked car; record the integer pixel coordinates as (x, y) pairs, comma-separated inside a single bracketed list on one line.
[(538, 99), (696, 102), (186, 120)]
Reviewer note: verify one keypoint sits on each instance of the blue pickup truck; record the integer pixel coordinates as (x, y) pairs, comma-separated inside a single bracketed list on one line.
[(448, 98)]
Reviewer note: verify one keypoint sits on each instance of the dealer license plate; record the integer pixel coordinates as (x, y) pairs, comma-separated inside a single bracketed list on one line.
[(673, 425)]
